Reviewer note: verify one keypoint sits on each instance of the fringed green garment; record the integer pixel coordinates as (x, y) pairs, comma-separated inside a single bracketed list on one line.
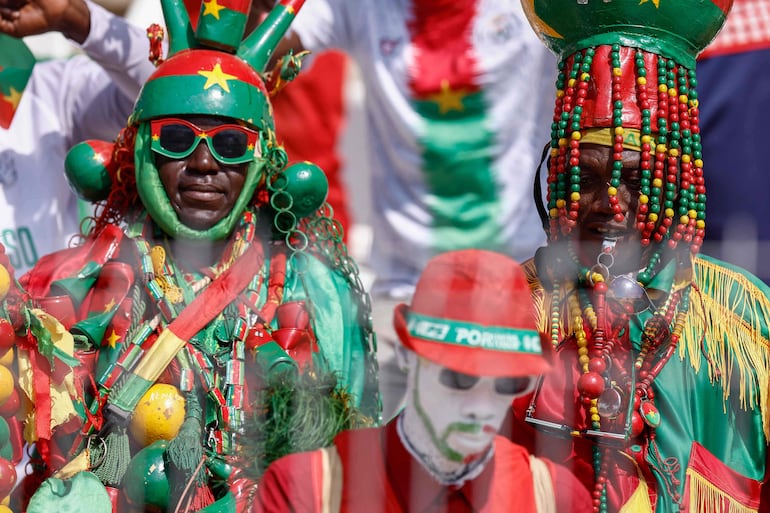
[(710, 450)]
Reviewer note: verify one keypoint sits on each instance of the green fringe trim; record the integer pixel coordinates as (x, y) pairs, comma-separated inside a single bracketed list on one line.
[(295, 412), (114, 455), (185, 452), (728, 316), (727, 321)]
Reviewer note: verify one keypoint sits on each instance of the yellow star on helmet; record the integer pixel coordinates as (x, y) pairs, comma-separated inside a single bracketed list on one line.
[(218, 77), (656, 3), (13, 98), (212, 7)]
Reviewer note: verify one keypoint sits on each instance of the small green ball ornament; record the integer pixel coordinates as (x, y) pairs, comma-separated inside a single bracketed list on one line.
[(145, 481), (307, 186), (87, 169)]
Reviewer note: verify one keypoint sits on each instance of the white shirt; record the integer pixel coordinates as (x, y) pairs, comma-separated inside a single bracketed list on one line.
[(457, 170), (65, 102)]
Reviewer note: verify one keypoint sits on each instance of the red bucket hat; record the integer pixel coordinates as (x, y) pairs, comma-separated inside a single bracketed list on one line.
[(472, 312)]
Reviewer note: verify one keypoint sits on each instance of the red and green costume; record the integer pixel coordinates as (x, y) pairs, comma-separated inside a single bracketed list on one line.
[(371, 470), (281, 304), (659, 398)]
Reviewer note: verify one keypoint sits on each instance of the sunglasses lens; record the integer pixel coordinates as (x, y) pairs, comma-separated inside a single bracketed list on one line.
[(230, 143), (513, 386), (457, 380), (177, 138)]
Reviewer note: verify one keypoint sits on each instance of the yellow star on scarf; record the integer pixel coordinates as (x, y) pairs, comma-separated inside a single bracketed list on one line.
[(655, 2), (109, 305), (448, 99), (218, 77), (212, 7), (13, 98), (112, 340)]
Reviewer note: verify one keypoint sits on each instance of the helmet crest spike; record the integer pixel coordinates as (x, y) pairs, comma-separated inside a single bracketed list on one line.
[(180, 31), (258, 47)]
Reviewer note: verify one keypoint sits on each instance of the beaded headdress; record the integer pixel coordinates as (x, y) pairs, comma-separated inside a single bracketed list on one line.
[(629, 68)]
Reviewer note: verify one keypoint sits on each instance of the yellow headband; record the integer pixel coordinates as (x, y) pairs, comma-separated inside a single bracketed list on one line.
[(606, 137)]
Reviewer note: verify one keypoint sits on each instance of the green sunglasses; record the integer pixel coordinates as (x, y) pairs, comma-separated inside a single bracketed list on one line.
[(229, 144)]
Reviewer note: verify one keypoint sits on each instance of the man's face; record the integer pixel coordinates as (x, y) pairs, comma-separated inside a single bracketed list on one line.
[(202, 189), (596, 222), (460, 413)]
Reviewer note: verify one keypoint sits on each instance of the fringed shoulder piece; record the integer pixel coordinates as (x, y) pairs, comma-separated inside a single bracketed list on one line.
[(728, 322), (538, 295)]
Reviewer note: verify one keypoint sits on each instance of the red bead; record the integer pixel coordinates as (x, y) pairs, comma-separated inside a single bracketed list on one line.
[(619, 218), (637, 424), (597, 365), (600, 287), (7, 334), (7, 477), (591, 385)]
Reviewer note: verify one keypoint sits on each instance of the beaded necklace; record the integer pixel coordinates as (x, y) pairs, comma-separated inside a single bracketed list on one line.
[(216, 354), (600, 323)]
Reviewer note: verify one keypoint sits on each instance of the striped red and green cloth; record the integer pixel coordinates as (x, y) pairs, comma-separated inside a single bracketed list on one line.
[(16, 63)]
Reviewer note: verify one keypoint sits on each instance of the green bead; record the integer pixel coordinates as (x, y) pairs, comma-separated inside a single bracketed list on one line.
[(86, 169), (145, 482), (308, 187)]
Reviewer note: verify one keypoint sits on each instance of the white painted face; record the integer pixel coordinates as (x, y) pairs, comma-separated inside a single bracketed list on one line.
[(453, 414)]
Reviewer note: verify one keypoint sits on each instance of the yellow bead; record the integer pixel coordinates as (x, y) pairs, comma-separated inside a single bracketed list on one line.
[(595, 418), (619, 130), (597, 277), (554, 152), (672, 92), (643, 199), (571, 82), (669, 212), (554, 212), (158, 416), (582, 351), (5, 282), (561, 203), (692, 213), (612, 191), (684, 219), (585, 77), (617, 72), (583, 360), (657, 182), (660, 148), (575, 136), (641, 80), (673, 152), (662, 88), (683, 98), (686, 158), (560, 93), (646, 139), (698, 163), (653, 217), (575, 196), (562, 142), (700, 223)]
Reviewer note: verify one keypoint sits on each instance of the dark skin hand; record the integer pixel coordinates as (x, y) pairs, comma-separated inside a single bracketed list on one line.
[(21, 18)]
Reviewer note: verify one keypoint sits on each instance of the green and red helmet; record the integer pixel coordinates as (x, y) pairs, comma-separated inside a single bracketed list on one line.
[(209, 71), (627, 80)]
